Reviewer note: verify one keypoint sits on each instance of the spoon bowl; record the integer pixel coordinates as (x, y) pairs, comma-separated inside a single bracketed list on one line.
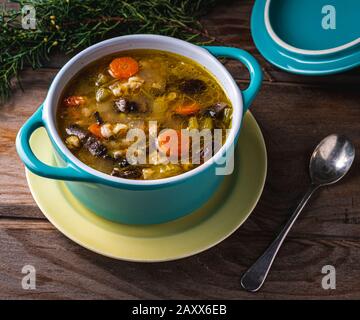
[(331, 159)]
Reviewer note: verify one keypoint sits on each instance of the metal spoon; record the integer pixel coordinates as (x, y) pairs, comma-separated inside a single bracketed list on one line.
[(330, 161)]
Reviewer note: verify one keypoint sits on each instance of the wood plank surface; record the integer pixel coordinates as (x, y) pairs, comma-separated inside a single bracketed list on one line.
[(294, 112)]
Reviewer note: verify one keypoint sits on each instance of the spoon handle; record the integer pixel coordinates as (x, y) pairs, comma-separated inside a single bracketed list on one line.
[(255, 276)]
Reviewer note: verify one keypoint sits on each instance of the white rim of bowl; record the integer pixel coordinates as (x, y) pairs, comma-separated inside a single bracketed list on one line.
[(289, 47), (49, 104)]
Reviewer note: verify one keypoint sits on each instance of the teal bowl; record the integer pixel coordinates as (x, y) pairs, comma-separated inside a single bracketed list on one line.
[(137, 201), (308, 37)]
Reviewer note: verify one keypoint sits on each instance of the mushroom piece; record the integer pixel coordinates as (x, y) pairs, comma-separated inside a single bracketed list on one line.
[(126, 106), (90, 142), (192, 86), (95, 147), (98, 118), (128, 173), (215, 110), (75, 130)]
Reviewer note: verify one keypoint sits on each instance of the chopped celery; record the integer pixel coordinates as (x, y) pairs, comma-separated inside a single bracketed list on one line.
[(102, 94)]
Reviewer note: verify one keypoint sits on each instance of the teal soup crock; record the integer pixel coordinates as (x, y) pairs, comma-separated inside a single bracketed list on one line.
[(139, 201)]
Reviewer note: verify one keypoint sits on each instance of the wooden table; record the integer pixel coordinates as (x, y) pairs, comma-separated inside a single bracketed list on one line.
[(294, 112)]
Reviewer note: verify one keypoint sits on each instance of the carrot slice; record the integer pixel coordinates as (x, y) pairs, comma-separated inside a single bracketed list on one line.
[(170, 141), (124, 67), (74, 101), (95, 129), (187, 109)]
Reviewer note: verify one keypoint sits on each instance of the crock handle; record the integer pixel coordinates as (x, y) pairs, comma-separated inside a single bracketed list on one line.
[(251, 64), (33, 163)]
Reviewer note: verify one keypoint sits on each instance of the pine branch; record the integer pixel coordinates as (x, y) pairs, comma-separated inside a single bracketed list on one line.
[(71, 25)]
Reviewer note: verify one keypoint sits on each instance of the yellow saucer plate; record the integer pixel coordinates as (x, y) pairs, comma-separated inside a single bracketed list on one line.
[(223, 214)]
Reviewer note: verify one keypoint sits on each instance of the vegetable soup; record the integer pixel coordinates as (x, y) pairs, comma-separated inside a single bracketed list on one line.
[(141, 89)]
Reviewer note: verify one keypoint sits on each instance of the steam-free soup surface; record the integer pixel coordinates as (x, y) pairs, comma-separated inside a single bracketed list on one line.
[(125, 91)]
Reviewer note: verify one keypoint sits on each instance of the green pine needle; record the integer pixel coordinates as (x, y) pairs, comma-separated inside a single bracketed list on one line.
[(71, 25)]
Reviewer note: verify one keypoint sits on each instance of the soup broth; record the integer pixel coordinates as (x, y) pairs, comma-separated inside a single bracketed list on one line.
[(125, 91)]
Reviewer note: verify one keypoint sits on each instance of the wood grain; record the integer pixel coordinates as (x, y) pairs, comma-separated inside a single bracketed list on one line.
[(294, 113), (65, 270)]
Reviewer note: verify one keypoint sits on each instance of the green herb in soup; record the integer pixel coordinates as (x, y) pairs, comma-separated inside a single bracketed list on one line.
[(140, 89)]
